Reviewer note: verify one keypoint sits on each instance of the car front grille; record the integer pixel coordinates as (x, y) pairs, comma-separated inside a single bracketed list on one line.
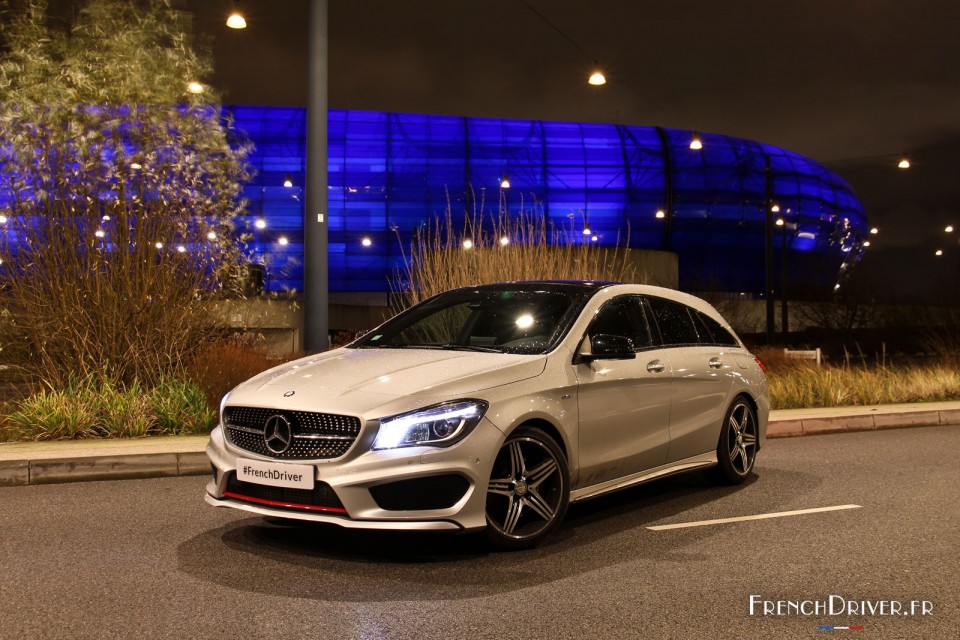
[(316, 436), (321, 498)]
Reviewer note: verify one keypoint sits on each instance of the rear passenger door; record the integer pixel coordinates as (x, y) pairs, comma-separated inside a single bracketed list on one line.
[(701, 378)]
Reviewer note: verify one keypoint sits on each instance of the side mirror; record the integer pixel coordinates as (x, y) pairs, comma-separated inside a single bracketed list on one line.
[(606, 346)]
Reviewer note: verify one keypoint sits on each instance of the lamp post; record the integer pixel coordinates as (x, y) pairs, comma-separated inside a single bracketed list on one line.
[(315, 261), (784, 317), (768, 248)]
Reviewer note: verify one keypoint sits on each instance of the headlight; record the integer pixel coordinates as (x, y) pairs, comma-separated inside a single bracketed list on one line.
[(223, 402), (439, 426)]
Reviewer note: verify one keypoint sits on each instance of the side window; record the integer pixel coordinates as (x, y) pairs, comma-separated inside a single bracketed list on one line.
[(674, 321), (614, 317), (706, 335), (624, 316), (720, 333)]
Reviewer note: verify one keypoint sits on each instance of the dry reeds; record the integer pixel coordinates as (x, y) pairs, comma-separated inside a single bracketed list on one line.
[(503, 248)]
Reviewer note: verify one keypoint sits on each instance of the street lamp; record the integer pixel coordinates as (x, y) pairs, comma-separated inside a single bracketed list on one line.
[(236, 19)]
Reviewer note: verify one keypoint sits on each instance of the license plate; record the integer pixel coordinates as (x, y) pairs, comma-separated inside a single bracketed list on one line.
[(290, 476)]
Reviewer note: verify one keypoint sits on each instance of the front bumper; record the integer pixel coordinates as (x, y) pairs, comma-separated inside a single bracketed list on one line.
[(353, 476)]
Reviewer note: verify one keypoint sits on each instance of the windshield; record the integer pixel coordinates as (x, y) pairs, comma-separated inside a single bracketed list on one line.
[(501, 321)]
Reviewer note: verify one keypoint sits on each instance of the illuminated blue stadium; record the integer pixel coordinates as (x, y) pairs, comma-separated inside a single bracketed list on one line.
[(389, 172)]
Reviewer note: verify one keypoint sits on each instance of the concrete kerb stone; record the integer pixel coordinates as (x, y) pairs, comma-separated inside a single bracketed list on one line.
[(14, 473)]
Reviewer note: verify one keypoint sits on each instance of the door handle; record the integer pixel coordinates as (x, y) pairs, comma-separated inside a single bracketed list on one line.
[(715, 363), (655, 366)]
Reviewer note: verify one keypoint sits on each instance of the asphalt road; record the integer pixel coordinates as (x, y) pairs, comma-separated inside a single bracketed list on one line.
[(148, 559)]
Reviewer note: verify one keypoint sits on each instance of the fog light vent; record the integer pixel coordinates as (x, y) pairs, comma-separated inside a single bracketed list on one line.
[(421, 494)]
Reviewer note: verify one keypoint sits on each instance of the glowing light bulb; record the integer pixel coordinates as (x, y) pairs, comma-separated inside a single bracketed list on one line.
[(938, 252), (159, 245), (874, 231), (904, 163), (136, 166), (695, 143), (181, 249), (468, 244), (194, 87), (283, 241), (660, 214), (211, 235), (866, 243), (287, 182), (597, 78), (775, 208), (948, 228), (367, 242), (504, 241), (260, 223), (99, 233), (780, 222), (3, 219), (236, 21), (505, 182)]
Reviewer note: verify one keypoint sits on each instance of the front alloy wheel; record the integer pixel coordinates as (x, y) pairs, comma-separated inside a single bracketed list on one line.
[(737, 449), (528, 492)]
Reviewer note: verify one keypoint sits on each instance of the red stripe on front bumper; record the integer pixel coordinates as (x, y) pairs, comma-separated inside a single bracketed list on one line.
[(287, 505)]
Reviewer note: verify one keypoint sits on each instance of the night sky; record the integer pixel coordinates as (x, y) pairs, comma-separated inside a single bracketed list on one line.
[(841, 81)]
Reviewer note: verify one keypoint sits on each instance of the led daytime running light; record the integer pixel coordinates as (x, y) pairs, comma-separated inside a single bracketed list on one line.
[(439, 425)]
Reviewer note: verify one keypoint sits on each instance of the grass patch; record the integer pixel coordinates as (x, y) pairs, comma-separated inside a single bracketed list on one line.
[(95, 408)]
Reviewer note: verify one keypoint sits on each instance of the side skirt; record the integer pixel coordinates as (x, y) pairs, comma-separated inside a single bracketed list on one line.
[(701, 461)]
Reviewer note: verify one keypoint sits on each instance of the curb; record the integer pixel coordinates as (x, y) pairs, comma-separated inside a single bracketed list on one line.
[(38, 463), (815, 422), (90, 468)]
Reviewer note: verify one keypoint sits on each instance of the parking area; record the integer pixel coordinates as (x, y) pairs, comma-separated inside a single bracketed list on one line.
[(147, 557)]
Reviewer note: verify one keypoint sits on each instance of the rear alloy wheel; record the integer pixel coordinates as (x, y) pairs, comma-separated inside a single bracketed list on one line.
[(528, 492), (739, 437)]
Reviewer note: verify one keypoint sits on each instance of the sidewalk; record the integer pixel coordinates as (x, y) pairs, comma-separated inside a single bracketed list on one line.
[(25, 463)]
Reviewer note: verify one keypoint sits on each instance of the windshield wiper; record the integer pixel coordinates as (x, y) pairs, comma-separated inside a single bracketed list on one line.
[(469, 347), (444, 347)]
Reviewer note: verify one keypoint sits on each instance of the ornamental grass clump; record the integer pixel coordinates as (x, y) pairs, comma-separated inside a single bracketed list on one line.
[(808, 386), (499, 247)]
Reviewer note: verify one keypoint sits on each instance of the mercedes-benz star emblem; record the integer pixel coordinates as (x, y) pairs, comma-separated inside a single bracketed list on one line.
[(277, 434), (288, 394)]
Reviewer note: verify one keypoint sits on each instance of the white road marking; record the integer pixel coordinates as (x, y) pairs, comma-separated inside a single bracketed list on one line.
[(762, 516)]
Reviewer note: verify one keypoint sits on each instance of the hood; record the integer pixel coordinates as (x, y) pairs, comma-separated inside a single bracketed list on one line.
[(356, 381)]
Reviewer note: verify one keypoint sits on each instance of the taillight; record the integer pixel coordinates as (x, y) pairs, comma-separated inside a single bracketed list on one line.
[(762, 368)]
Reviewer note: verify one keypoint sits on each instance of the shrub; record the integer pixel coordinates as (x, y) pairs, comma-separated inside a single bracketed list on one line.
[(223, 365), (118, 192), (91, 408)]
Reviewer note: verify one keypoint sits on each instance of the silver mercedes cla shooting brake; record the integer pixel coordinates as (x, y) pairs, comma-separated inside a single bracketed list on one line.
[(494, 407)]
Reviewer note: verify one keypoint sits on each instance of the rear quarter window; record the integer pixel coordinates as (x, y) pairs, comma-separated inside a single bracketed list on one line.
[(720, 335)]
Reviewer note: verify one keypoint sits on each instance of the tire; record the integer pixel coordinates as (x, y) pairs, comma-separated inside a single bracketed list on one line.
[(737, 448), (528, 491)]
